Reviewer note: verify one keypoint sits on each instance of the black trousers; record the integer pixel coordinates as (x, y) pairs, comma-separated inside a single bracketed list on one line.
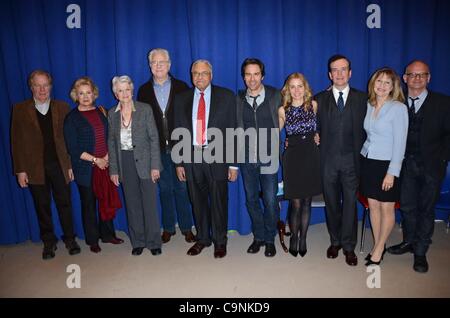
[(209, 199), (340, 184), (55, 185), (94, 227), (419, 192)]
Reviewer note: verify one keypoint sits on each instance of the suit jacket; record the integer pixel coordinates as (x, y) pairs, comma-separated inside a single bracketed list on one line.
[(222, 115), (164, 121), (435, 134), (144, 137), (357, 101), (27, 141)]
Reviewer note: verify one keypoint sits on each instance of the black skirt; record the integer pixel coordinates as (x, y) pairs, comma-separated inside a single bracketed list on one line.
[(301, 167), (372, 176)]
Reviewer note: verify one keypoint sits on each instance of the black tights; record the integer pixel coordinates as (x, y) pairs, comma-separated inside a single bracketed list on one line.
[(299, 217)]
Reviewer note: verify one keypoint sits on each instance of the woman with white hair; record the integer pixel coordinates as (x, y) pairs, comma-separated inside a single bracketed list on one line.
[(134, 160)]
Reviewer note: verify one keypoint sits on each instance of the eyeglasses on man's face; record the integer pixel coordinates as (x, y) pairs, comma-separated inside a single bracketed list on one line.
[(418, 75), (202, 74)]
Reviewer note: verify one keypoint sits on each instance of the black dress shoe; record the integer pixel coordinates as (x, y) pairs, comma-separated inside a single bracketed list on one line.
[(333, 251), (270, 250), (255, 247), (156, 251), (402, 248), (49, 251), (220, 251), (137, 251), (420, 264), (95, 248), (73, 247), (350, 258)]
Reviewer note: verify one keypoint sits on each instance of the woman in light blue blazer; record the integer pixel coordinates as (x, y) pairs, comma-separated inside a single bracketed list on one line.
[(134, 160), (386, 125)]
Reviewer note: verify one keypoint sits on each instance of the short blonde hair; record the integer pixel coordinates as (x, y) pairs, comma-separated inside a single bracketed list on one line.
[(39, 72), (396, 93), (286, 95), (83, 81), (121, 79)]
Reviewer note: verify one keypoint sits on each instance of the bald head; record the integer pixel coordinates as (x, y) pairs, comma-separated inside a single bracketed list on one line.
[(417, 76)]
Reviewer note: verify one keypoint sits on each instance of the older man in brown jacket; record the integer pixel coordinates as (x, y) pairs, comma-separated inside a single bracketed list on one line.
[(41, 161)]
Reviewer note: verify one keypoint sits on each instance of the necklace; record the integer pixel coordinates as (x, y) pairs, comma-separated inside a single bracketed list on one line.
[(123, 121)]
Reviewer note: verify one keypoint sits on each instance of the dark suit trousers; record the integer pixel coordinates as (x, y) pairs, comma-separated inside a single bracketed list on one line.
[(418, 195), (210, 204), (340, 184), (54, 184), (94, 227)]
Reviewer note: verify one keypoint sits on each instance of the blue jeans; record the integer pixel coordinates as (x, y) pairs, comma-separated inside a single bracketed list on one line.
[(264, 223), (173, 193)]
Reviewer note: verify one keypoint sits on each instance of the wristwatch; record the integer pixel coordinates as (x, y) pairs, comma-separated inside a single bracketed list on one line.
[(94, 160)]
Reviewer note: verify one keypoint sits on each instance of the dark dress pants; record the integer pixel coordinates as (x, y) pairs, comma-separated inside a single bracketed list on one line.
[(210, 204), (94, 227), (340, 184), (55, 184), (419, 192)]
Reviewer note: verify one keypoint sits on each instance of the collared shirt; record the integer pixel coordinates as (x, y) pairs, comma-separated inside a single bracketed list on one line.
[(126, 140), (418, 103), (386, 134), (207, 97), (42, 107), (162, 92), (345, 92), (259, 99)]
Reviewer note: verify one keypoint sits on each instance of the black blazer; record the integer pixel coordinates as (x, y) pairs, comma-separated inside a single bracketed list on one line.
[(222, 115), (357, 101), (435, 134), (164, 121)]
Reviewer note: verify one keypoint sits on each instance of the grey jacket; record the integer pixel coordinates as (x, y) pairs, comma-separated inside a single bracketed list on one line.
[(145, 141)]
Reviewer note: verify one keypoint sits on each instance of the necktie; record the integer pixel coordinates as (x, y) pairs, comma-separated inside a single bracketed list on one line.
[(340, 102), (412, 108), (201, 121), (255, 104)]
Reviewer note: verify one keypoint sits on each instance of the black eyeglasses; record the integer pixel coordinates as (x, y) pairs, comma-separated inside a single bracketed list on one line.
[(419, 75)]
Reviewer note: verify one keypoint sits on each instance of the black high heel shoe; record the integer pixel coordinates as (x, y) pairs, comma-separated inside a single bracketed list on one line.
[(293, 252), (368, 257), (382, 255), (302, 252), (370, 262), (302, 249)]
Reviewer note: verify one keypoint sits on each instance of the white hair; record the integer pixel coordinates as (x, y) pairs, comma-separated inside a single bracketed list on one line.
[(121, 79), (160, 51), (202, 61)]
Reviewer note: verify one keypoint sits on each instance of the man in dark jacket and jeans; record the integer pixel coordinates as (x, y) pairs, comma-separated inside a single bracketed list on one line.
[(159, 92)]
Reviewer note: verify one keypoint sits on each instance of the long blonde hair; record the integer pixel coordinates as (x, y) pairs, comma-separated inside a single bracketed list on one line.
[(396, 93), (286, 95)]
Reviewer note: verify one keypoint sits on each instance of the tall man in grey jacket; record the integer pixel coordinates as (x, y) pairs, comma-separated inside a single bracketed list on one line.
[(257, 108)]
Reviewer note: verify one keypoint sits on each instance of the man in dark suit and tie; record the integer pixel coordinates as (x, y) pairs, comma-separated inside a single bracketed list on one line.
[(199, 110), (424, 167), (340, 123)]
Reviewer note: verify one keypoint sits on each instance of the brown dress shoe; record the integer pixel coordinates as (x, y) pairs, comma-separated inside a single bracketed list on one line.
[(165, 237), (196, 249), (189, 237), (220, 251), (350, 258), (333, 251)]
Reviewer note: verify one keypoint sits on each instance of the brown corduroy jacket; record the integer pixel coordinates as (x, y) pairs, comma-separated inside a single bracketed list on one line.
[(27, 143)]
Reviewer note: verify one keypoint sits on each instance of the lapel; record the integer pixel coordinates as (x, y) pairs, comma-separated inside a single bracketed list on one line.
[(188, 110), (330, 102), (55, 117), (212, 108), (154, 100), (31, 113)]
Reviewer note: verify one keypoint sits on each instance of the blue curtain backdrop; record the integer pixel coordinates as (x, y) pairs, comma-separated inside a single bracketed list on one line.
[(115, 36)]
